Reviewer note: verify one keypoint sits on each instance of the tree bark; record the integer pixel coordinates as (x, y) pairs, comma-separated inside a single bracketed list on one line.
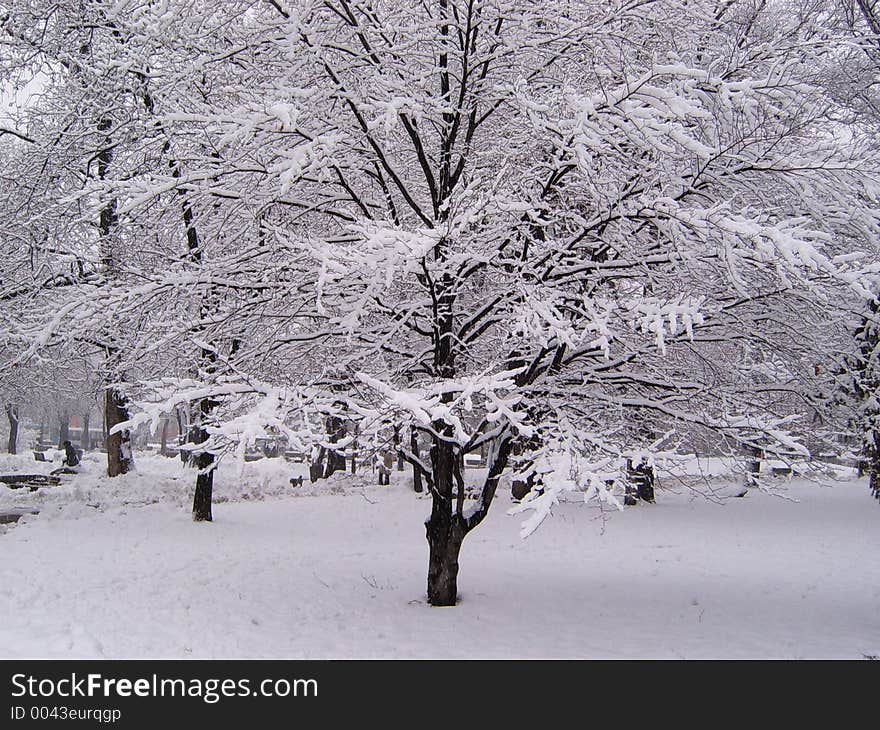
[(12, 415), (875, 478), (163, 447), (204, 495), (204, 461), (182, 435), (444, 529), (875, 465), (119, 451), (335, 427), (63, 429), (397, 450), (414, 447), (85, 439), (444, 541)]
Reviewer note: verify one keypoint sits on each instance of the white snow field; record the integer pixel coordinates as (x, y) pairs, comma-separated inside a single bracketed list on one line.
[(116, 568)]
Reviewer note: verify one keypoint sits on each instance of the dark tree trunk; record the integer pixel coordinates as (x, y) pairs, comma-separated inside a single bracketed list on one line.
[(444, 529), (85, 439), (874, 466), (163, 439), (447, 526), (335, 462), (444, 540), (12, 415), (397, 449), (63, 429), (335, 431), (753, 466), (204, 461), (204, 495), (119, 452), (414, 447)]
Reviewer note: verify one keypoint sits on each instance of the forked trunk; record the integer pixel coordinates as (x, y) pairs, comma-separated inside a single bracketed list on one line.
[(445, 530), (447, 526)]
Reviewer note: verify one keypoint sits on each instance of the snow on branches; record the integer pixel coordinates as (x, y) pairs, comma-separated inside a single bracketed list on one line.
[(512, 226)]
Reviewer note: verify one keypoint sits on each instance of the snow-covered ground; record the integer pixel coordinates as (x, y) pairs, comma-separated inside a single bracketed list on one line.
[(116, 568)]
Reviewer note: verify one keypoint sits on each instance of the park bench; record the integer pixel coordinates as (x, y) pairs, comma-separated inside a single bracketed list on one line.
[(31, 481), (14, 515)]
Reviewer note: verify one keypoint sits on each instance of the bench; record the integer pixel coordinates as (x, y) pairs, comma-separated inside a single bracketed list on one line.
[(779, 468), (10, 516), (31, 481)]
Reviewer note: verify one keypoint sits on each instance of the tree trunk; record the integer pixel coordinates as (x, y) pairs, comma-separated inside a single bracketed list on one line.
[(397, 450), (874, 453), (85, 439), (204, 461), (63, 429), (183, 434), (414, 447), (444, 540), (12, 415), (204, 496), (444, 530), (163, 448), (316, 465), (335, 428), (119, 452)]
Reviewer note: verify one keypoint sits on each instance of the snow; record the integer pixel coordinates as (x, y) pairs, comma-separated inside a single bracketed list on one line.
[(116, 568)]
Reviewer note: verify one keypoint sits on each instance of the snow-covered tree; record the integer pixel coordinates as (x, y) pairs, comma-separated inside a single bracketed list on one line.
[(96, 123), (563, 232), (525, 225)]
